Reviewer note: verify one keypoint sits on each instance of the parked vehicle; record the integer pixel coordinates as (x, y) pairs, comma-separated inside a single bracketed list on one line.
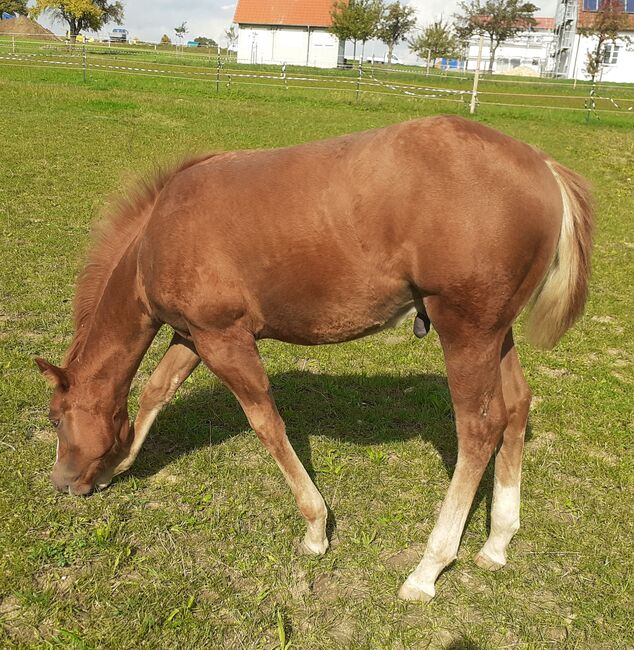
[(383, 59), (119, 35)]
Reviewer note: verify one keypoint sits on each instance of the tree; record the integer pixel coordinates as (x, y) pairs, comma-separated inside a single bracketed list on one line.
[(396, 22), (498, 19), (166, 40), (81, 14), (13, 7), (181, 30), (355, 20), (437, 41), (231, 34), (203, 41), (606, 24)]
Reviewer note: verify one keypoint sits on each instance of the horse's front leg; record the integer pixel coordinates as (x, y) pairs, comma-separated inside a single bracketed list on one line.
[(178, 362), (233, 356)]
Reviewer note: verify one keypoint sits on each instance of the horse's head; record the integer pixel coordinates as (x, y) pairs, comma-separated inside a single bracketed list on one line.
[(93, 432)]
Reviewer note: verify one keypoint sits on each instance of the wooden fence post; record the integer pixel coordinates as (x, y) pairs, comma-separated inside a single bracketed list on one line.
[(474, 92)]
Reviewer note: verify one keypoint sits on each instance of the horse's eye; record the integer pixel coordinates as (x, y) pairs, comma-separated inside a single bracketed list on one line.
[(54, 422)]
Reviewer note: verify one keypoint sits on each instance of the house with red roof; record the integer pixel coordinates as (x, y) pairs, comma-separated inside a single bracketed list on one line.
[(294, 32)]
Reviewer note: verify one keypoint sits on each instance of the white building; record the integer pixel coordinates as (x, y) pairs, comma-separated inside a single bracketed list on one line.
[(571, 48), (294, 32), (526, 53)]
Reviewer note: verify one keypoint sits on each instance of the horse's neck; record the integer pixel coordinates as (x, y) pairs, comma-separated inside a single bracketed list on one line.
[(117, 335)]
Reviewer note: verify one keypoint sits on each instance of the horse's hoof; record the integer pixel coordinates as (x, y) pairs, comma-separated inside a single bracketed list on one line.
[(305, 547), (485, 562), (411, 592)]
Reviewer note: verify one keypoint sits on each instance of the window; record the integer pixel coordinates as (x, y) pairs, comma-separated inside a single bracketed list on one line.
[(595, 5), (611, 54)]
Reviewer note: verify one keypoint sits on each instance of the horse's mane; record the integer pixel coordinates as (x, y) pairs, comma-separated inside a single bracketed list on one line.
[(118, 224)]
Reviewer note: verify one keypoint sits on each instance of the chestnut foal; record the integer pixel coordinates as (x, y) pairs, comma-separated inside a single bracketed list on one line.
[(321, 243)]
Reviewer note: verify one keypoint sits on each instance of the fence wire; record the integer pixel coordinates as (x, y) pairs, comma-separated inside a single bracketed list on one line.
[(369, 81)]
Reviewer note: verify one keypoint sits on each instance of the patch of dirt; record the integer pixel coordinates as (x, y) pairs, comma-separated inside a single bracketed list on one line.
[(298, 585), (343, 632), (44, 435), (165, 475), (471, 582), (622, 363), (308, 365), (395, 339), (20, 624), (329, 587), (622, 378), (604, 456), (556, 373), (10, 609), (545, 439), (61, 581), (408, 558), (603, 319), (616, 352)]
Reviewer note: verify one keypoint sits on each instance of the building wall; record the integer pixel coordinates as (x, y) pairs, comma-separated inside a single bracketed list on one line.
[(529, 50), (313, 46), (620, 70), (571, 48)]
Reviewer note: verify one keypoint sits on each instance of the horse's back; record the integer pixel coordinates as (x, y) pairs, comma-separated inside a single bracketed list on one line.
[(329, 238)]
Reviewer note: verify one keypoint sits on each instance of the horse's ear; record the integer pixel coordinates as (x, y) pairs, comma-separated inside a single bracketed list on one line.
[(55, 376)]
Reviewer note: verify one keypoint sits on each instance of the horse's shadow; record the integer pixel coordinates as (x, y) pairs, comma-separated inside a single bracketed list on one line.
[(364, 410)]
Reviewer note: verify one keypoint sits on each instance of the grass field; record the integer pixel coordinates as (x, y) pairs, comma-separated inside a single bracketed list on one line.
[(194, 547), (204, 66)]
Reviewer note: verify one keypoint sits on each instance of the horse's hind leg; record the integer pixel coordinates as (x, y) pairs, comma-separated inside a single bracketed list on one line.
[(178, 362), (505, 511), (473, 371), (233, 356)]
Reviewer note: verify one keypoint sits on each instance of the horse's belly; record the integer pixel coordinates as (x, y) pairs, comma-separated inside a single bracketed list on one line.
[(337, 322)]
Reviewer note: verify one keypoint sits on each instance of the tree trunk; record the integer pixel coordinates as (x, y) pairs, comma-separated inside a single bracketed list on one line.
[(390, 49), (354, 51), (492, 51), (73, 31)]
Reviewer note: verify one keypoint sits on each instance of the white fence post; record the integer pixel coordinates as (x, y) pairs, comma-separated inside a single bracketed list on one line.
[(218, 72), (474, 92), (85, 61)]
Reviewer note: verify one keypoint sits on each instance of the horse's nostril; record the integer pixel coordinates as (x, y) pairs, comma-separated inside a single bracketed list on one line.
[(61, 487)]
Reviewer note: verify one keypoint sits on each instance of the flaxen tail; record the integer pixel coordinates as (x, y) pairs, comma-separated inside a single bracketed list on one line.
[(559, 300)]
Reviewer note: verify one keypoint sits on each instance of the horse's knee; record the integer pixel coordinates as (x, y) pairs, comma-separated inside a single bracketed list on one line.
[(480, 432), (521, 402)]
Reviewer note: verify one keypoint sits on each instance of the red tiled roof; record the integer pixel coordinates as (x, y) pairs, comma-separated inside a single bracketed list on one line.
[(313, 13), (544, 23), (541, 22)]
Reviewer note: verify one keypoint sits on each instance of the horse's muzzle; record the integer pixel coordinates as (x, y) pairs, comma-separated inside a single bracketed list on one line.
[(63, 483)]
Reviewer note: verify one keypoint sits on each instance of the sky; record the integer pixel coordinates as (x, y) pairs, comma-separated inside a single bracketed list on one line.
[(150, 19)]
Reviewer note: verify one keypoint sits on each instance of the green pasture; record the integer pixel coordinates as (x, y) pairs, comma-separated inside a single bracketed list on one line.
[(204, 66), (195, 546)]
